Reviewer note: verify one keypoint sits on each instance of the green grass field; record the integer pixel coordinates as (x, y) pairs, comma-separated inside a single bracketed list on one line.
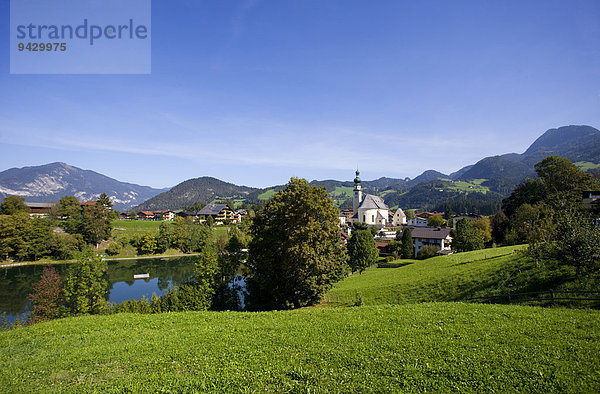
[(267, 195), (442, 347), (131, 227), (586, 165), (443, 278), (471, 186)]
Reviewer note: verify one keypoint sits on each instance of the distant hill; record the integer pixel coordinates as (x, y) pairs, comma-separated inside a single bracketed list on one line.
[(50, 182), (576, 143), (204, 189), (427, 176), (503, 173)]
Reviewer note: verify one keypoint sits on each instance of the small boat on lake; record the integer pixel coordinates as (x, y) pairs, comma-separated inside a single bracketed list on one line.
[(141, 276)]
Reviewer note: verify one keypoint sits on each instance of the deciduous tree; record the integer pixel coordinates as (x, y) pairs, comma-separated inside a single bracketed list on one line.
[(13, 205), (362, 251), (436, 221), (296, 253), (46, 297), (467, 237), (85, 287)]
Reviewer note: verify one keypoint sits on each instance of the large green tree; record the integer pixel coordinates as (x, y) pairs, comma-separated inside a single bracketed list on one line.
[(467, 237), (558, 181), (436, 221), (296, 253), (188, 236), (12, 205), (85, 287), (96, 220), (362, 251), (14, 236)]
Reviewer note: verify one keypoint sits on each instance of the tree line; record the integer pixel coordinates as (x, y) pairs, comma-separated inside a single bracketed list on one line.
[(70, 229)]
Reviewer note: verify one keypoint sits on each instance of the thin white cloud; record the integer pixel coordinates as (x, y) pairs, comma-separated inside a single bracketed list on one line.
[(270, 144)]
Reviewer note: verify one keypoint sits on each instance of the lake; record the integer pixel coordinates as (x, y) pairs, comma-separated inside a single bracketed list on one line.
[(164, 273)]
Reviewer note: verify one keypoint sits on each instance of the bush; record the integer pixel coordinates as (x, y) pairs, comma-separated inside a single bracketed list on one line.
[(114, 248), (133, 306), (427, 251), (187, 297)]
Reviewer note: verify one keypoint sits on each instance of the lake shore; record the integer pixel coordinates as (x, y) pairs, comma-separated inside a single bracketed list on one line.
[(56, 262)]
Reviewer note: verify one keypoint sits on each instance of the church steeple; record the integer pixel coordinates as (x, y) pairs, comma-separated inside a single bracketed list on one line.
[(357, 198), (357, 179)]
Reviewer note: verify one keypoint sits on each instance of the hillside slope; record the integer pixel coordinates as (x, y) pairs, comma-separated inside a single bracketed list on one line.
[(445, 278)]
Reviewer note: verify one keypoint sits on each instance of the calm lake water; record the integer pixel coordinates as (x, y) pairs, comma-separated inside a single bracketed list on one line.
[(164, 273)]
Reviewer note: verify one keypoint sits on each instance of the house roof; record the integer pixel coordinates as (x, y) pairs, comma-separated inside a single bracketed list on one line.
[(430, 232), (379, 215), (147, 213), (40, 204), (372, 202), (212, 209)]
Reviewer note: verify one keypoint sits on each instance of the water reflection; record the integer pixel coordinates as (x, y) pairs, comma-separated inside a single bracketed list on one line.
[(16, 283)]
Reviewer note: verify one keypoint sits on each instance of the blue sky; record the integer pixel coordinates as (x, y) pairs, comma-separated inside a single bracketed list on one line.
[(254, 92)]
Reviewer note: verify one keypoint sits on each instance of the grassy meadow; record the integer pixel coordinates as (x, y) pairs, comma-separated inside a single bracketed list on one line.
[(439, 347), (442, 278), (131, 227)]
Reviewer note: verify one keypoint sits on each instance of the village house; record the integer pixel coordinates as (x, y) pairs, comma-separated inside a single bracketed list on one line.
[(436, 236), (145, 215), (219, 212), (591, 199), (239, 215), (166, 215), (417, 222), (40, 209), (398, 218)]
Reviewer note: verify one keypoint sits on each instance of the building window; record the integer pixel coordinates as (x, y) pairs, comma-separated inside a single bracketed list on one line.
[(373, 218), (364, 218)]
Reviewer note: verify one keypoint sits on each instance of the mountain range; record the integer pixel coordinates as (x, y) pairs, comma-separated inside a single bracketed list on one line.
[(50, 182), (484, 183)]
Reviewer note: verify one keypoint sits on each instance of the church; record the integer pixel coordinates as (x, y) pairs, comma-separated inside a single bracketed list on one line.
[(370, 210)]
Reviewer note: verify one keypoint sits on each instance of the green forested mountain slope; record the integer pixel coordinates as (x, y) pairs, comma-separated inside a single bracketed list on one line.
[(205, 189)]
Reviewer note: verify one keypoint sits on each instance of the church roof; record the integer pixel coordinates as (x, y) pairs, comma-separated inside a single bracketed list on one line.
[(372, 202)]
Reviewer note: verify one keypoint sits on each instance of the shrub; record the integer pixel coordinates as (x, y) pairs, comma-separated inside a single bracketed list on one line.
[(427, 251), (114, 248)]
